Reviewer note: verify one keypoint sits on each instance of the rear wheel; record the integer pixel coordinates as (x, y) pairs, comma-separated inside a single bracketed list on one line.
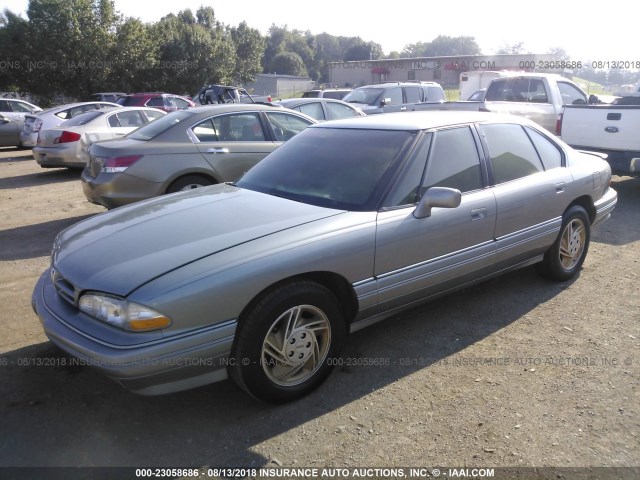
[(189, 182), (567, 254), (286, 343)]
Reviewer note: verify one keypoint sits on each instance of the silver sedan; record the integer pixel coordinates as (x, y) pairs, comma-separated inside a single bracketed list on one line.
[(68, 145), (348, 223)]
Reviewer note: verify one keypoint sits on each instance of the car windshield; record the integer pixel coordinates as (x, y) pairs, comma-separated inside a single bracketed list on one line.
[(368, 96), (345, 169), (83, 118), (155, 128)]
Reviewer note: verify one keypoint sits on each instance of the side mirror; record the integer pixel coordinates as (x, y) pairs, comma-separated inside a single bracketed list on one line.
[(4, 119), (437, 197), (385, 101), (594, 100)]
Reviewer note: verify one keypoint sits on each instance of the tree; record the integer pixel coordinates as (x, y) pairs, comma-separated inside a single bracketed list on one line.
[(361, 50), (515, 49), (289, 63), (69, 44), (13, 53), (442, 46), (249, 46)]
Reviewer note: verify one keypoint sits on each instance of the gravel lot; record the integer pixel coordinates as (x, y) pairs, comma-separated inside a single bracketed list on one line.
[(517, 371)]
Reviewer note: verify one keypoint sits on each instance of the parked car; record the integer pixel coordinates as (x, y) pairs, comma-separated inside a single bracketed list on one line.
[(185, 150), (395, 97), (53, 117), (163, 101), (322, 108), (68, 144), (335, 93), (12, 115), (106, 96), (346, 224)]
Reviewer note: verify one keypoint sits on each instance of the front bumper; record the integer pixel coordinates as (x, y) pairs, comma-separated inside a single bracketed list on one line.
[(604, 206), (163, 365)]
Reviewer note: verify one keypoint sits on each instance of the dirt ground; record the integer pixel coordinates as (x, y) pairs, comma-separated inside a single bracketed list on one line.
[(517, 371)]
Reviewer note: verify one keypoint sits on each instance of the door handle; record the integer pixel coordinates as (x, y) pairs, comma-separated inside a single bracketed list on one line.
[(478, 214), (217, 150), (560, 187), (403, 109)]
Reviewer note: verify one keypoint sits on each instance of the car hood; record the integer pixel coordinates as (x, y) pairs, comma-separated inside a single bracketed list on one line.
[(118, 251)]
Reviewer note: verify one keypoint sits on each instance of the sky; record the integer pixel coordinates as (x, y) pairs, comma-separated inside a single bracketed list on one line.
[(583, 32)]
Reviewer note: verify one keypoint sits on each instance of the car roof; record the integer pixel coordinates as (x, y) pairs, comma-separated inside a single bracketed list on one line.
[(78, 104), (234, 107), (299, 101), (421, 120)]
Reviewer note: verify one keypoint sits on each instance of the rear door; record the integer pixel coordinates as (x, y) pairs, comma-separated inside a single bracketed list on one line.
[(233, 143), (530, 185)]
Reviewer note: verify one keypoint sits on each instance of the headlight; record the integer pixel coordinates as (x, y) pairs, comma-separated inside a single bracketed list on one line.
[(121, 313)]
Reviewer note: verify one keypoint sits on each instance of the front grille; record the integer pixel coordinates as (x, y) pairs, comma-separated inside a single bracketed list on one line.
[(65, 289)]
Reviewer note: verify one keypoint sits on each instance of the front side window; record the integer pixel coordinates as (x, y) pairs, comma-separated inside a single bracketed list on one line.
[(511, 152), (393, 95), (20, 107), (453, 161)]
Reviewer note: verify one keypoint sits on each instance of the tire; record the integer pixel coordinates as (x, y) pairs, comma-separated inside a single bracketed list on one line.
[(565, 257), (189, 182), (276, 360)]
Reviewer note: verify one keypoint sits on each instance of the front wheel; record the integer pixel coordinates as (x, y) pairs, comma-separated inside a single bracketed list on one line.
[(286, 343), (567, 254)]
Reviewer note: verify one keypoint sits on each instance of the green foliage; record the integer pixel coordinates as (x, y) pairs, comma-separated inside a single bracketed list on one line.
[(442, 46), (289, 63)]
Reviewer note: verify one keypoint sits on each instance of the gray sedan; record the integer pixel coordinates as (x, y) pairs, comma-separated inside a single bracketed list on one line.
[(185, 150), (322, 108), (346, 224)]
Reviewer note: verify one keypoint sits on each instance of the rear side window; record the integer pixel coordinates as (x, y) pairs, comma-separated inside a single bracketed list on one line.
[(547, 150), (512, 153), (521, 89), (131, 119), (314, 110), (83, 118), (413, 94), (571, 95), (338, 110), (435, 94), (286, 126)]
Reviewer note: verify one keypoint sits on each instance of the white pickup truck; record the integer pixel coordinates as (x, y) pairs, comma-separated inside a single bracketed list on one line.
[(540, 97), (610, 129)]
